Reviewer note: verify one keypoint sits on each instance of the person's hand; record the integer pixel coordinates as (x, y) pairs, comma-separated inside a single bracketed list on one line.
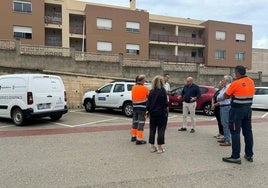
[(193, 99), (179, 97)]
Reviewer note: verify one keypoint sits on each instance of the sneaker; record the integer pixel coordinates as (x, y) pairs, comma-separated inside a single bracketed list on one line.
[(231, 160), (249, 159), (133, 139), (182, 129), (140, 142), (192, 131), (221, 141), (225, 144)]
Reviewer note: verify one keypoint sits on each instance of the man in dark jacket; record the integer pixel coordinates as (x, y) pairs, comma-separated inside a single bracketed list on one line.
[(190, 94)]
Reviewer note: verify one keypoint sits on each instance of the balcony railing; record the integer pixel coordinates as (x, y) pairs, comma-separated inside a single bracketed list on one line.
[(179, 59), (76, 30), (53, 20), (176, 39)]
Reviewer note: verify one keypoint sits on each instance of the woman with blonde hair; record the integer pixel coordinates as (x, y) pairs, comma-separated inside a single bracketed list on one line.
[(157, 108)]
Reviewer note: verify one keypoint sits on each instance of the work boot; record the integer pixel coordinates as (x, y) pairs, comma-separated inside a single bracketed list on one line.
[(140, 142), (249, 159), (133, 139)]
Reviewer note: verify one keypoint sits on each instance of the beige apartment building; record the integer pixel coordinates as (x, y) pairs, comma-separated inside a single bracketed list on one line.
[(90, 27)]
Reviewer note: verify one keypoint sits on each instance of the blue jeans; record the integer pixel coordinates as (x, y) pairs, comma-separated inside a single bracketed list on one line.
[(224, 110), (240, 117)]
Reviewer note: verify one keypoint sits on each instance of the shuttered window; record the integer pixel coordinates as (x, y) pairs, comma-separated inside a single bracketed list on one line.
[(133, 49), (220, 35), (133, 27), (22, 32), (103, 23), (104, 46), (240, 37)]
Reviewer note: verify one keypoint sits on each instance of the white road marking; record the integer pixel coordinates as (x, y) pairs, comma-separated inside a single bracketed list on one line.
[(94, 114), (264, 115), (91, 123), (174, 116), (212, 119), (6, 126)]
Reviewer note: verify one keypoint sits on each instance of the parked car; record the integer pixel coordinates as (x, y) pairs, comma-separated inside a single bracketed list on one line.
[(203, 103), (115, 95), (260, 99), (25, 96)]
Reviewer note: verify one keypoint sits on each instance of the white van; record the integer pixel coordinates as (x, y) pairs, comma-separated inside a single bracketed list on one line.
[(25, 96)]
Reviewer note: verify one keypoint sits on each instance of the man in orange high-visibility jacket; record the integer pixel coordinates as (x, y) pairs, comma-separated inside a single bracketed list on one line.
[(241, 92), (139, 100)]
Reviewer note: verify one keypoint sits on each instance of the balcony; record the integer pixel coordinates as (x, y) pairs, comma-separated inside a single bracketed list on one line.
[(54, 18), (178, 59), (176, 39), (76, 30)]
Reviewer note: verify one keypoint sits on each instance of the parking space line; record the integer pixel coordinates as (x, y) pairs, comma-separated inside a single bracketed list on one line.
[(6, 126), (212, 119), (86, 113), (91, 123), (264, 115)]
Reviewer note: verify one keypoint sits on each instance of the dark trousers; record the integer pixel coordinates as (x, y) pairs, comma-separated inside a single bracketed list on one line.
[(158, 123), (138, 120), (240, 117), (218, 117)]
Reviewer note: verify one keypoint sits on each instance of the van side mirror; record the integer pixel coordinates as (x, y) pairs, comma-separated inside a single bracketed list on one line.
[(97, 91)]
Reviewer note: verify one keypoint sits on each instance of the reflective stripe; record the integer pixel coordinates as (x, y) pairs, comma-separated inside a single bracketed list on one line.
[(139, 106), (242, 101), (139, 101), (141, 121), (243, 97)]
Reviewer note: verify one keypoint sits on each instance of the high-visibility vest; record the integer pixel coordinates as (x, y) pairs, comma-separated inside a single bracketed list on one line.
[(242, 91), (139, 97)]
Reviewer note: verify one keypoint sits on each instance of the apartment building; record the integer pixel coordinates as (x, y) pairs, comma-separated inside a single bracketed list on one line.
[(90, 27)]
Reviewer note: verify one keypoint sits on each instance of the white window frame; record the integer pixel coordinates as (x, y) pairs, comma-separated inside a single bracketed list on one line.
[(23, 30), (240, 37), (22, 2), (103, 46), (133, 27), (240, 56), (104, 23), (220, 56), (220, 35), (133, 49)]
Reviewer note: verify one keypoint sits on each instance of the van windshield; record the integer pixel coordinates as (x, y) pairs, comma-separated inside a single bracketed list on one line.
[(47, 84)]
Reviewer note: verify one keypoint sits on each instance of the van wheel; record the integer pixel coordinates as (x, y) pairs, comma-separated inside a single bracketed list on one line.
[(207, 109), (56, 117), (89, 106), (17, 117), (128, 109)]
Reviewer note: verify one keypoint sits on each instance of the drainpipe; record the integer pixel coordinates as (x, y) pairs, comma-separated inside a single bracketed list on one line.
[(83, 40)]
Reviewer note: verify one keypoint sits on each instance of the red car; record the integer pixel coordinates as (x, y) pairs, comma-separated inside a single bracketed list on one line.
[(203, 103)]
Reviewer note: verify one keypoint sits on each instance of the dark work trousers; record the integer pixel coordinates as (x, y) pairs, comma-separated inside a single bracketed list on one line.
[(158, 123), (240, 117), (218, 117), (138, 120)]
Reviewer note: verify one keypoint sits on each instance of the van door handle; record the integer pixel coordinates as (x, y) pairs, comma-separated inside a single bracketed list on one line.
[(121, 95), (49, 96), (107, 95)]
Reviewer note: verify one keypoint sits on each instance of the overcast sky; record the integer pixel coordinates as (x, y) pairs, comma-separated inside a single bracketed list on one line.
[(250, 12)]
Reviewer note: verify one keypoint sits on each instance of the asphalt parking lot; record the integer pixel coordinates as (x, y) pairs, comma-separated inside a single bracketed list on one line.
[(85, 150), (102, 117)]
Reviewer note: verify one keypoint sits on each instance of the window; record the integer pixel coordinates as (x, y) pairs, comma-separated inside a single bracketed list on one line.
[(133, 49), (261, 91), (106, 89), (220, 35), (240, 56), (240, 37), (104, 46), (129, 87), (119, 88), (133, 27), (203, 90), (22, 6), (22, 32), (220, 54), (105, 24), (193, 54)]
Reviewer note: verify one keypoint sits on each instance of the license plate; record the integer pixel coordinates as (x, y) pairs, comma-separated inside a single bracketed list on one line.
[(43, 106)]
